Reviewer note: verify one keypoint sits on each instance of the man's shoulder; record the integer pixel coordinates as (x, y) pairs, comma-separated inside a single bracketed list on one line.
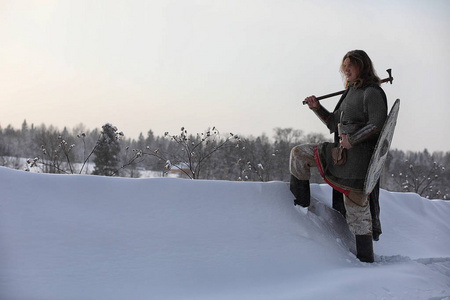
[(373, 91), (372, 87)]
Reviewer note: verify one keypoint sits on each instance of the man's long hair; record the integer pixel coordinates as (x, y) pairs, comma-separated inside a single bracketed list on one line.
[(367, 74)]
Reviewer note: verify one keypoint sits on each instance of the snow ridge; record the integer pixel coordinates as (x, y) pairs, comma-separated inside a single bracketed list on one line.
[(91, 237)]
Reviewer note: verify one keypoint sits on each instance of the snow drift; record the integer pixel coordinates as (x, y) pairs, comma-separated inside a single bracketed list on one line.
[(89, 237)]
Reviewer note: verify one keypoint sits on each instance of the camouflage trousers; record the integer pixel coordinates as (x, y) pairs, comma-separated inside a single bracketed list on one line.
[(356, 203)]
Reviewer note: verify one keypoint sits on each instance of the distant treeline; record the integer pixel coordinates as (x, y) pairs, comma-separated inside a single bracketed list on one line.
[(212, 154)]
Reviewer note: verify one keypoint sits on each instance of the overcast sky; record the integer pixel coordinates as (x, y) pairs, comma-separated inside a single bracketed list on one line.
[(243, 66)]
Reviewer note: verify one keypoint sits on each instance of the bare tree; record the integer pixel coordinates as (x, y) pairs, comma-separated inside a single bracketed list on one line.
[(193, 151), (420, 174)]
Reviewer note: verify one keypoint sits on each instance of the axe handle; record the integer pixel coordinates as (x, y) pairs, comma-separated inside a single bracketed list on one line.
[(328, 96), (389, 79)]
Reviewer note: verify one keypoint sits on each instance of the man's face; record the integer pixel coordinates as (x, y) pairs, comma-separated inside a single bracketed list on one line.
[(350, 70)]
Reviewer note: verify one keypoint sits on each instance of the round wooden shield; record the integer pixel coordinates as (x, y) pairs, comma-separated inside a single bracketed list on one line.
[(381, 149)]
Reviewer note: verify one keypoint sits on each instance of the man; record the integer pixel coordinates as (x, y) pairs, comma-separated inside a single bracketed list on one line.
[(357, 119)]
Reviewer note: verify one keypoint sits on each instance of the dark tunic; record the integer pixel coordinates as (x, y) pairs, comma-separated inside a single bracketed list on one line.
[(357, 108)]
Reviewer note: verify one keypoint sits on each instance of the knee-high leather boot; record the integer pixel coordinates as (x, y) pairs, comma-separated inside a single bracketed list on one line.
[(301, 191), (364, 248)]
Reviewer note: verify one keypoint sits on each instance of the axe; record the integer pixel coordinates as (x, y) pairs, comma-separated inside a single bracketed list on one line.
[(389, 79)]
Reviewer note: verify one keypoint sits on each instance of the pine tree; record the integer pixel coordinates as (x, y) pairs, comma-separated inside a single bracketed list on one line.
[(107, 152)]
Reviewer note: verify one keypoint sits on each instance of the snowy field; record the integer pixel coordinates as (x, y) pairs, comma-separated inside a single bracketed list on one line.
[(81, 237)]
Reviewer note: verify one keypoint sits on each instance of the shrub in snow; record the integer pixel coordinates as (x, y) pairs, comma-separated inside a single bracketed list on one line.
[(191, 152)]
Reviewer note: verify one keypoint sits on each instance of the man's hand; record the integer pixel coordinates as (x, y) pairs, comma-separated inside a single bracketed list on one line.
[(312, 102), (344, 141)]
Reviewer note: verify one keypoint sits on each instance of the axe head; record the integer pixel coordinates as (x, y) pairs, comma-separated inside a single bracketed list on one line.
[(390, 76)]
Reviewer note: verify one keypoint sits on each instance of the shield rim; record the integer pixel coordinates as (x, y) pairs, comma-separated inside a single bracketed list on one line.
[(392, 118)]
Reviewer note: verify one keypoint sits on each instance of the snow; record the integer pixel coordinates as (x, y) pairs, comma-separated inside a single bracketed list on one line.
[(90, 237)]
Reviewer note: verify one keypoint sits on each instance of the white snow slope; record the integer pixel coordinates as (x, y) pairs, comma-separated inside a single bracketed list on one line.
[(88, 237)]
